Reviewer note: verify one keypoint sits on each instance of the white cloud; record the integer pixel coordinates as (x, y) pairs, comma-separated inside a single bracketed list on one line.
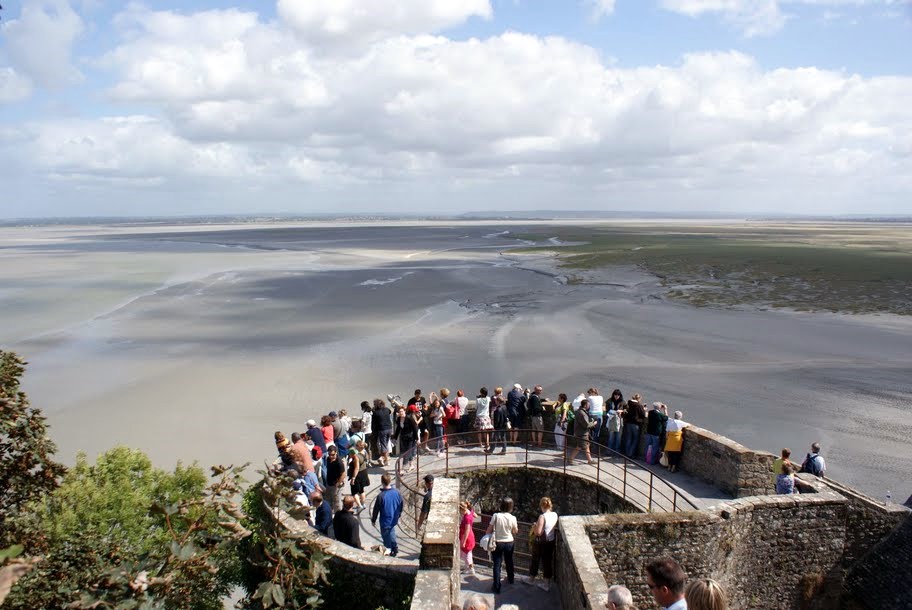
[(236, 103), (759, 17), (40, 41), (600, 8), (358, 22), (13, 86)]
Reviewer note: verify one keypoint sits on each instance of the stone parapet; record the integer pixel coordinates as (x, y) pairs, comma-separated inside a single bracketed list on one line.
[(582, 583), (437, 581), (751, 545), (728, 465)]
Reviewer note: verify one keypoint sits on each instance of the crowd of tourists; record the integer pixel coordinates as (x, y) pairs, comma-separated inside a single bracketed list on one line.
[(341, 449)]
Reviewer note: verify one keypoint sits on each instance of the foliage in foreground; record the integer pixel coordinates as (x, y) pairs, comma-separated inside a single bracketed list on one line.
[(123, 534), (27, 471)]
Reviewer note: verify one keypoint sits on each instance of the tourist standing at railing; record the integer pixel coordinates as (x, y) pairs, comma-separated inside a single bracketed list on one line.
[(301, 453), (423, 423), (543, 545), (634, 418), (406, 433), (326, 428), (516, 410), (436, 416), (503, 526), (563, 418), (596, 411), (462, 410), (335, 479), (357, 473), (582, 425), (483, 418), (367, 420), (674, 440), (613, 427), (656, 421), (466, 536), (501, 420), (536, 413), (382, 429)]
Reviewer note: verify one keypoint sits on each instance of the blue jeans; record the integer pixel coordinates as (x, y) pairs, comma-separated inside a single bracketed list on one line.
[(503, 553), (389, 539), (631, 439), (499, 438), (437, 432), (653, 440), (614, 441), (594, 432)]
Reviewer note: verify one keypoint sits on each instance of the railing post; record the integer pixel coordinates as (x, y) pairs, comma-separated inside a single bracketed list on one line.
[(565, 454), (417, 466), (526, 465), (650, 490), (674, 501), (624, 492), (446, 457)]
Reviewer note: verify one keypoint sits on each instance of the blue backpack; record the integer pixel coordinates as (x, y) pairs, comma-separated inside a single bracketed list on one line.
[(811, 465)]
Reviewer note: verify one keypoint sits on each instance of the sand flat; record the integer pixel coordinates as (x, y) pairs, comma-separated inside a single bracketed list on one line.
[(197, 342)]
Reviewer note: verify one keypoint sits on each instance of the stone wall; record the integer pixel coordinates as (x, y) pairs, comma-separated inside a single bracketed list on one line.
[(868, 521), (880, 580), (728, 465), (571, 495), (582, 586), (437, 582), (385, 581), (775, 551)]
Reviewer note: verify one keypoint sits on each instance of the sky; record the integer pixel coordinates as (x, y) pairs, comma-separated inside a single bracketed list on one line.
[(449, 106)]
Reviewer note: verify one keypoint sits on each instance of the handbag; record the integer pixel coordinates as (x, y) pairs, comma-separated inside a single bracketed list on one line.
[(664, 459), (488, 543)]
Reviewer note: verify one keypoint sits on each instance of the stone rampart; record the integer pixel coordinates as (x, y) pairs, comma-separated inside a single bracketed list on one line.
[(753, 546), (386, 581), (570, 494), (437, 580), (582, 585), (728, 465)]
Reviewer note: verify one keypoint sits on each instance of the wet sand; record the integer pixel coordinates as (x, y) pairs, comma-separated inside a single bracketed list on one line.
[(196, 343)]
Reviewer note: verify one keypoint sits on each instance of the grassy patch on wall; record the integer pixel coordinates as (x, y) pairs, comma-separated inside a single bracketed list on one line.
[(855, 268)]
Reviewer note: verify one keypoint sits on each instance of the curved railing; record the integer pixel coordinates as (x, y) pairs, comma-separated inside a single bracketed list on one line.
[(610, 470)]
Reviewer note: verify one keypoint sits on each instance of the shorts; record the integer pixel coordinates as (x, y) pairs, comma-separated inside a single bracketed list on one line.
[(536, 422), (582, 442)]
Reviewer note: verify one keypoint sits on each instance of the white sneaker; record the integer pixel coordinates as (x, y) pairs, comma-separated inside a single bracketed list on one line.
[(544, 585)]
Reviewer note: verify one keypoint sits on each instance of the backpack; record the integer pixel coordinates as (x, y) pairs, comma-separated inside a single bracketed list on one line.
[(811, 465)]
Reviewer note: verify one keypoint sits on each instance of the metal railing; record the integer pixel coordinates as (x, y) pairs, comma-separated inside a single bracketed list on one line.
[(610, 470)]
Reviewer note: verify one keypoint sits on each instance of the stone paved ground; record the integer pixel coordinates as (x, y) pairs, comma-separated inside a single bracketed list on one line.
[(520, 595), (524, 596)]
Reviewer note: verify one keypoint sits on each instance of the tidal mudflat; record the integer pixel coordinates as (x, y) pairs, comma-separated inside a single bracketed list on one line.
[(197, 342)]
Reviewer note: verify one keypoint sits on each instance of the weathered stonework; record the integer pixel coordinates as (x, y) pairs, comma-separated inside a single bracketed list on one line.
[(728, 465), (437, 580), (389, 581), (570, 494)]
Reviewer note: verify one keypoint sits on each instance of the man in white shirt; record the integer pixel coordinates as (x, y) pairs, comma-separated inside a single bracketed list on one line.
[(666, 579)]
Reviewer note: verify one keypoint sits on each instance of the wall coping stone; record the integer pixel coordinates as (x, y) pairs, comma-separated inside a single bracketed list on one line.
[(368, 562), (573, 530)]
